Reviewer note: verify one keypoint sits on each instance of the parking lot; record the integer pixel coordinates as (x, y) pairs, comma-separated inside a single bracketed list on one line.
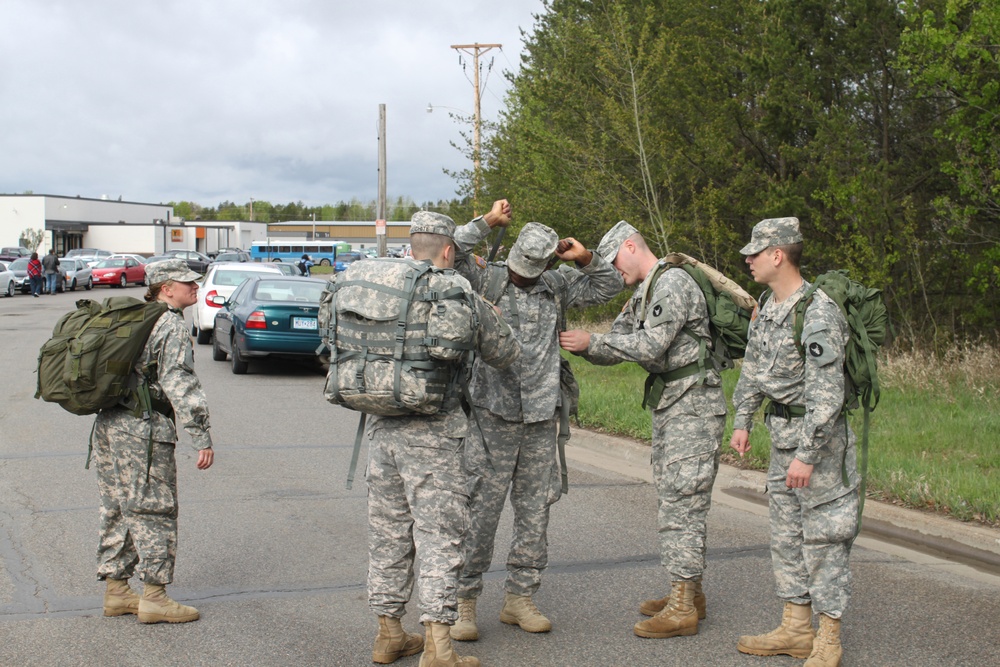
[(273, 549)]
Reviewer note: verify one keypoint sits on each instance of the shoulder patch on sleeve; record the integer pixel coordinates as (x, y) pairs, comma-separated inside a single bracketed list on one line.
[(816, 342), (480, 261), (658, 312)]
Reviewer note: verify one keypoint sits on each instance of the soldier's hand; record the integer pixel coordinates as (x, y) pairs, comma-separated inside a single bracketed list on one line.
[(740, 441), (571, 250), (798, 475), (499, 215), (205, 458), (576, 340)]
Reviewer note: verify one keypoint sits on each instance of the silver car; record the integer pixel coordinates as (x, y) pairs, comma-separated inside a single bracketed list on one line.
[(77, 273), (7, 281)]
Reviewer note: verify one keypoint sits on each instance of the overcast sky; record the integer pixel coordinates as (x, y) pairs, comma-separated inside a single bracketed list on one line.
[(214, 100)]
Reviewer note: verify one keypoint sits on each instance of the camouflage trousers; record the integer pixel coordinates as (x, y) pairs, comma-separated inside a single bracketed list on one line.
[(418, 507), (685, 456), (812, 529), (138, 530), (524, 463)]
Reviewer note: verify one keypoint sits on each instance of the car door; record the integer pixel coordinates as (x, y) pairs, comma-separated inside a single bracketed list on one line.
[(134, 273), (224, 318)]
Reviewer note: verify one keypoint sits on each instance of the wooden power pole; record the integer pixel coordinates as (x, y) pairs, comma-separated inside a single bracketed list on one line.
[(475, 50)]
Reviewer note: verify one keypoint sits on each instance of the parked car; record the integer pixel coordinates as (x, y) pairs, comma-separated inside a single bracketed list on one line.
[(268, 315), (8, 283), (288, 269), (138, 258), (221, 280), (89, 255), (345, 258), (119, 271), (19, 267), (77, 273), (195, 260), (215, 254), (10, 253), (238, 256)]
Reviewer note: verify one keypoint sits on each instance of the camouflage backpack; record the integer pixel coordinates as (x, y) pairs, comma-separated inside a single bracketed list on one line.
[(397, 331)]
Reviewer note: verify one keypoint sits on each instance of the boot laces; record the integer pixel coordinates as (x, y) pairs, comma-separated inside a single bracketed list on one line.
[(529, 607), (465, 612)]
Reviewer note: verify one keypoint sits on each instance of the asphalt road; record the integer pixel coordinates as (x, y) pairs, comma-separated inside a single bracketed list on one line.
[(273, 550)]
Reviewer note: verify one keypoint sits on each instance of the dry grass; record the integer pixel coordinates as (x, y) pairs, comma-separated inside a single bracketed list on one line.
[(972, 366)]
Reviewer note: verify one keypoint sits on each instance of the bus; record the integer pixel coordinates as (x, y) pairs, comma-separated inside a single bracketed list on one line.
[(291, 250)]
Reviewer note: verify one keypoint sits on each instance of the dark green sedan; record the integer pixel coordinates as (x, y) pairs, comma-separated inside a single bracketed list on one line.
[(268, 315)]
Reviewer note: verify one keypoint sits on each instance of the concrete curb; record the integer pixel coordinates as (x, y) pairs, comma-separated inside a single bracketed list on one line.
[(969, 544)]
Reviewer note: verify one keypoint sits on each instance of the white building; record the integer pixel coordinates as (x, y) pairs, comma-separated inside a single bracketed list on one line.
[(118, 226)]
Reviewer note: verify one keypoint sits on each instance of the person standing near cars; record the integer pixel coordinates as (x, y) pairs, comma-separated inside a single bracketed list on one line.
[(136, 468), (50, 265), (664, 329), (35, 274)]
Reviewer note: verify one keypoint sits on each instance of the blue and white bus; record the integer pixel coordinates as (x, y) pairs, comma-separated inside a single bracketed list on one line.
[(323, 253)]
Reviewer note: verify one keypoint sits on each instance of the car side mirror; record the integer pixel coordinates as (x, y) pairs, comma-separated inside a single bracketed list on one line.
[(219, 300)]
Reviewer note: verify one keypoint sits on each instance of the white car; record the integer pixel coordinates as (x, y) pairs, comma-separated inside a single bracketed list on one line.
[(7, 280), (221, 280)]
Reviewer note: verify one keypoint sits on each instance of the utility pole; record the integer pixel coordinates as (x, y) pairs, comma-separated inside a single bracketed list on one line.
[(381, 206), (475, 50)]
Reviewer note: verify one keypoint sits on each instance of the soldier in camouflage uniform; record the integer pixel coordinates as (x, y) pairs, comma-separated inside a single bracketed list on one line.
[(418, 499), (812, 482), (139, 510), (688, 417), (517, 406)]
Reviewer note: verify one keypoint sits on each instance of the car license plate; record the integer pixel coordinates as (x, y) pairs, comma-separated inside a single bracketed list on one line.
[(304, 323)]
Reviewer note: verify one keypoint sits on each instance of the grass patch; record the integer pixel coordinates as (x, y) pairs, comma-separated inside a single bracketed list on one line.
[(931, 442)]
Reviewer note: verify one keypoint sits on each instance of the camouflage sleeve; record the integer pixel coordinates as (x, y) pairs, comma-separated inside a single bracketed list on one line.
[(747, 397), (596, 283), (176, 378), (622, 326), (472, 267), (497, 345), (667, 314), (824, 340)]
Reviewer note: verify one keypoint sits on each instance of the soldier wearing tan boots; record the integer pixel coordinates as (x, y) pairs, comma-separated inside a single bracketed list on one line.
[(812, 482)]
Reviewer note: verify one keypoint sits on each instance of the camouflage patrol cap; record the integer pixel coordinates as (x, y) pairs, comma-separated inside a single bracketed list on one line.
[(612, 241), (772, 232), (170, 269), (426, 222), (533, 249)]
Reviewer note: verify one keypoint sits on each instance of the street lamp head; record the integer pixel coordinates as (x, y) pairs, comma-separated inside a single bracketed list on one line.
[(430, 108)]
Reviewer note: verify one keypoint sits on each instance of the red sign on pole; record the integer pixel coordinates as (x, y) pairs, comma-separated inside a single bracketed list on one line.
[(380, 228)]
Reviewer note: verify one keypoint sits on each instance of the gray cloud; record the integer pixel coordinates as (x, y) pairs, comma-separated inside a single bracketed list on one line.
[(221, 100)]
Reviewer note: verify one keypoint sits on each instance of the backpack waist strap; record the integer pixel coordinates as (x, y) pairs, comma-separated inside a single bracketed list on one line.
[(785, 411), (656, 383)]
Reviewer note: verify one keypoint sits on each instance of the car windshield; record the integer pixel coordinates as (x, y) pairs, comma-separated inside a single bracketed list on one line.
[(68, 264), (227, 257), (288, 290), (230, 278), (19, 265), (110, 264)]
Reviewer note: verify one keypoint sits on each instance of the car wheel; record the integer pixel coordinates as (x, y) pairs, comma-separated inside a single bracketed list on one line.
[(90, 284), (72, 285), (204, 337), (10, 289), (124, 281), (240, 365), (324, 262), (218, 354)]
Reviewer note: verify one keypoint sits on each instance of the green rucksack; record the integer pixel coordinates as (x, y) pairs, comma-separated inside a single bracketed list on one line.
[(729, 310), (89, 363), (868, 320)]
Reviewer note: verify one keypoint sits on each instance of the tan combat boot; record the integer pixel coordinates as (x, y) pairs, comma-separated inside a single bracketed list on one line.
[(654, 607), (438, 651), (521, 610), (678, 619), (793, 637), (393, 642), (465, 629), (826, 649), (120, 599), (156, 607)]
